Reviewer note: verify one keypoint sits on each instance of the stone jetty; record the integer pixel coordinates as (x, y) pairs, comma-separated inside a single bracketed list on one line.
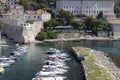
[(107, 63), (97, 65)]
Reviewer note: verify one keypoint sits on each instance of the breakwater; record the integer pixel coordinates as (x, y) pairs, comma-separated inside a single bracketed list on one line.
[(96, 64), (108, 64), (77, 55)]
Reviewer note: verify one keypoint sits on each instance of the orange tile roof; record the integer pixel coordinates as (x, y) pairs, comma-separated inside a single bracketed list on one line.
[(14, 6), (40, 11), (30, 12)]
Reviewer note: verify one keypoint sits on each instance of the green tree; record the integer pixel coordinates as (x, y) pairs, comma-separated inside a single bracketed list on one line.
[(77, 24), (100, 15), (103, 24), (29, 21), (24, 3), (65, 17), (95, 24), (41, 36), (51, 24), (43, 6), (51, 35), (117, 8), (27, 3), (34, 4), (89, 23)]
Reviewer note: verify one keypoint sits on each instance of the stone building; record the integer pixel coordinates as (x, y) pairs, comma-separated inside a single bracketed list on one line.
[(16, 26), (16, 16), (110, 16), (16, 9), (88, 7), (115, 26), (38, 15), (11, 2)]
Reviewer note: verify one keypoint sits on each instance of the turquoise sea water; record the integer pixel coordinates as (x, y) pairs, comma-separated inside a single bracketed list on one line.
[(31, 62)]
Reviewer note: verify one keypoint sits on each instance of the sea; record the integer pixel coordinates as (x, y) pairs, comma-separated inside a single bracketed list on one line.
[(31, 62)]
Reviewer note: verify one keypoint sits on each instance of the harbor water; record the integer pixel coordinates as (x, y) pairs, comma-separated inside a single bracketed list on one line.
[(31, 62)]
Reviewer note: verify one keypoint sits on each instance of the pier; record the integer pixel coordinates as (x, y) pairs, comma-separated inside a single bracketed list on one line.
[(93, 67)]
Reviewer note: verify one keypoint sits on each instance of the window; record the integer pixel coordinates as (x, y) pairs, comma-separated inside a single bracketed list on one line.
[(67, 7), (86, 11), (86, 7), (28, 17), (38, 16), (25, 16)]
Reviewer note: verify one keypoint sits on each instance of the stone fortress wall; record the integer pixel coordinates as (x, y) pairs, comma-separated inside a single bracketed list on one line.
[(22, 34)]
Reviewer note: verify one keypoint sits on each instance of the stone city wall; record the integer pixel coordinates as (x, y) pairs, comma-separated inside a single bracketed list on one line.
[(22, 34)]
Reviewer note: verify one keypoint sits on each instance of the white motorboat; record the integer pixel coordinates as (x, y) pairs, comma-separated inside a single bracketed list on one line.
[(22, 49), (51, 51), (10, 61), (15, 53), (7, 60), (48, 78), (57, 71), (54, 65), (45, 73), (4, 64), (13, 57), (3, 58), (4, 45)]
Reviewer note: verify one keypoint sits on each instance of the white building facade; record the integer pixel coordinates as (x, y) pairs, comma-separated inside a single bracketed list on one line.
[(88, 7), (38, 15), (17, 16), (16, 9), (11, 2)]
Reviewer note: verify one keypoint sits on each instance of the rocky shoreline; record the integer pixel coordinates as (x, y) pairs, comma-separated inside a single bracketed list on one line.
[(70, 39), (107, 63), (78, 39)]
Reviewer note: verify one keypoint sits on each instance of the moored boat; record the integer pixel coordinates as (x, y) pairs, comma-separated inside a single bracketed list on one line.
[(48, 78), (51, 51), (54, 66), (2, 64)]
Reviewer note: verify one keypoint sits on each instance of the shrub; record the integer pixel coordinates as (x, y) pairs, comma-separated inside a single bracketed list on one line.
[(41, 36), (29, 21), (51, 35)]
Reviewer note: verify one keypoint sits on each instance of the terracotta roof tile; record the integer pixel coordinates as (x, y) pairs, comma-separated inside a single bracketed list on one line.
[(40, 11), (30, 12), (16, 6)]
